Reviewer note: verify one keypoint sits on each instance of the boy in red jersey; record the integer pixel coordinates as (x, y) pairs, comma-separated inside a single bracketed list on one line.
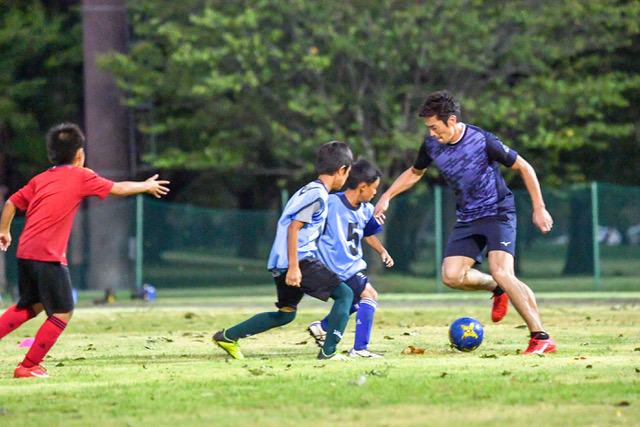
[(51, 200)]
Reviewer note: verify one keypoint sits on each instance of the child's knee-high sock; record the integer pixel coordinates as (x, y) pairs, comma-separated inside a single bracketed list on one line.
[(13, 318), (259, 323), (338, 317), (364, 322), (325, 322), (45, 338)]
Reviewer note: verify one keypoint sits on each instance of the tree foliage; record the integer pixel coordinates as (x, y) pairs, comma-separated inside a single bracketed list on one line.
[(40, 82), (257, 85), (253, 87)]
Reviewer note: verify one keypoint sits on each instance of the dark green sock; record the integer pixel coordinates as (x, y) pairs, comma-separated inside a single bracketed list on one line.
[(259, 323), (338, 317)]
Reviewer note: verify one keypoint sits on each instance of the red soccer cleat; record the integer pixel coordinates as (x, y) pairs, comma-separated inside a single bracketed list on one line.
[(500, 307), (35, 371), (537, 346)]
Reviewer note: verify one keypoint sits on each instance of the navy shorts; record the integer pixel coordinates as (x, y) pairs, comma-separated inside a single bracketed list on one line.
[(47, 283), (496, 233), (357, 283), (317, 281)]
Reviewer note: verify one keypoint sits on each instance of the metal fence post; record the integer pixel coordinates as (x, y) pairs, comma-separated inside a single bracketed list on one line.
[(594, 225), (438, 234), (139, 240)]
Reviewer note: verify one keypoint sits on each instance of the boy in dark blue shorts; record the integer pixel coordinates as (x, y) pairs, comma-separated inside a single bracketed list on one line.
[(469, 159), (51, 200), (293, 260)]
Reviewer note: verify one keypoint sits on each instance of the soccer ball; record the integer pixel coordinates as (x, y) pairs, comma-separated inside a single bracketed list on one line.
[(465, 334)]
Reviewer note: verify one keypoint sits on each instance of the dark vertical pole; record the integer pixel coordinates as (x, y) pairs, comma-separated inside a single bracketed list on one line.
[(3, 272), (104, 24), (595, 220), (437, 204)]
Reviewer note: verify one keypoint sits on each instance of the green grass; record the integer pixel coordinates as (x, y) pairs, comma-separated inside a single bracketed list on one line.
[(153, 364)]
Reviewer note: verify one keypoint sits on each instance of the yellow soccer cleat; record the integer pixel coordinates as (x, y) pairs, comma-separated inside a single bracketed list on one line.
[(231, 347)]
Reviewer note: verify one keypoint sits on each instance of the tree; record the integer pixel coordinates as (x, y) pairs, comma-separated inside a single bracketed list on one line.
[(255, 86), (40, 84)]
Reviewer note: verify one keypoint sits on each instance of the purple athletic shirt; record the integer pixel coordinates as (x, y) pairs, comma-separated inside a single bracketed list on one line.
[(471, 167)]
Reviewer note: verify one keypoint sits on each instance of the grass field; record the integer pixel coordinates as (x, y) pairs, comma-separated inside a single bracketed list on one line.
[(153, 364)]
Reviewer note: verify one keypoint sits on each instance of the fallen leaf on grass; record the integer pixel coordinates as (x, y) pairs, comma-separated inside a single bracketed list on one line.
[(624, 403), (259, 371), (156, 339), (413, 350)]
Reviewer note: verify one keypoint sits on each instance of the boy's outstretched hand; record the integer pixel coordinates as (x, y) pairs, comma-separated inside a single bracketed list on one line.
[(156, 186), (5, 241)]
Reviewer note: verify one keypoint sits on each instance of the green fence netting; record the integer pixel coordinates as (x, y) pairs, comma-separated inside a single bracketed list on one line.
[(594, 245)]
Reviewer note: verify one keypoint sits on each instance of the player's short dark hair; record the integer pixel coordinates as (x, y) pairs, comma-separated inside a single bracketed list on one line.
[(63, 142), (362, 171), (332, 156), (440, 104)]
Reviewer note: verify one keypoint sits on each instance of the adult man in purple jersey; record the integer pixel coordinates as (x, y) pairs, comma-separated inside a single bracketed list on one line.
[(469, 159)]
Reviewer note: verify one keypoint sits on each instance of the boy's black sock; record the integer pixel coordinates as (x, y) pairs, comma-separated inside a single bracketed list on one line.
[(540, 335), (498, 291)]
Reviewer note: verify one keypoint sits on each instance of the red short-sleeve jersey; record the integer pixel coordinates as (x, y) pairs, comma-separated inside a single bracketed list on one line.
[(51, 200)]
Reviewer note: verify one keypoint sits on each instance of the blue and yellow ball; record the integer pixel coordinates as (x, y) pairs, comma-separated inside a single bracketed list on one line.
[(465, 334)]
